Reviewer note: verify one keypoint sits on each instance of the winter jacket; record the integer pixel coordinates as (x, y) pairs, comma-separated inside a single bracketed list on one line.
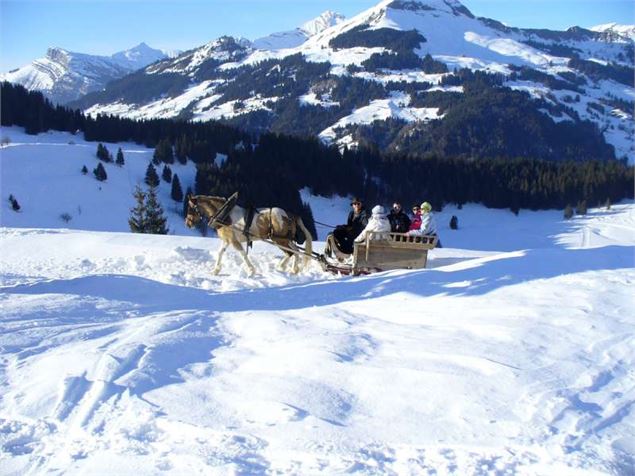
[(415, 224), (428, 226), (399, 221), (357, 222), (377, 223)]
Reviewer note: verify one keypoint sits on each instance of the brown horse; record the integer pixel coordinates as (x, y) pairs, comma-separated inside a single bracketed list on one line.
[(268, 223)]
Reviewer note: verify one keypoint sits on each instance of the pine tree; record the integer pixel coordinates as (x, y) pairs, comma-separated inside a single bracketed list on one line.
[(177, 192), (163, 152), (103, 154), (120, 160), (568, 212), (84, 170), (166, 174), (454, 223), (100, 172), (155, 219), (181, 149), (137, 220), (152, 179), (607, 204), (581, 207), (15, 206)]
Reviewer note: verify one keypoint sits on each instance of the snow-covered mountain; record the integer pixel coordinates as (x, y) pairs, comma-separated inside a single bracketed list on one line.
[(294, 38), (393, 75), (64, 75), (622, 30), (122, 353)]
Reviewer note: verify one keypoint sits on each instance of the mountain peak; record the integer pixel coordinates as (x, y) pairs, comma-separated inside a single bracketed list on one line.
[(453, 6), (138, 56), (294, 38), (326, 20)]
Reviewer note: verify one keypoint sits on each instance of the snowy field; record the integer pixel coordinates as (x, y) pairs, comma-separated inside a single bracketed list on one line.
[(513, 353)]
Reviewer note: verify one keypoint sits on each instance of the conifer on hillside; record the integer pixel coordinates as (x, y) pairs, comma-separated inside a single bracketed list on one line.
[(152, 179), (137, 220), (103, 153), (581, 207), (155, 219), (84, 170), (166, 174), (15, 206), (120, 159), (177, 192), (163, 152), (568, 212), (100, 172)]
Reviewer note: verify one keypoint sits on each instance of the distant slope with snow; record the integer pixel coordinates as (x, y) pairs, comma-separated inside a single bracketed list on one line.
[(287, 81), (43, 173), (294, 38), (64, 75)]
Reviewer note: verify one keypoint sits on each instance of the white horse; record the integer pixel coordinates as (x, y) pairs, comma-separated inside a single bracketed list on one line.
[(268, 224)]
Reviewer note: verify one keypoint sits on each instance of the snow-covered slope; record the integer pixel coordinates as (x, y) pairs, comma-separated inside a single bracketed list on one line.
[(622, 30), (43, 173), (294, 38), (64, 75), (121, 354), (574, 75), (513, 353)]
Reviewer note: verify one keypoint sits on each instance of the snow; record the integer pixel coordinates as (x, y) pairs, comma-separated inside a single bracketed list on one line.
[(408, 76), (64, 75), (313, 100), (513, 353), (294, 38), (54, 161), (122, 354), (624, 30), (164, 108), (233, 108), (380, 110)]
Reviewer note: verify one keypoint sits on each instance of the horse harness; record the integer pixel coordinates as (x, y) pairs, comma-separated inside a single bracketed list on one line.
[(221, 218)]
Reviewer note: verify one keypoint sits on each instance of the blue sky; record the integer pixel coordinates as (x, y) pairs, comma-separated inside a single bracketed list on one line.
[(29, 27)]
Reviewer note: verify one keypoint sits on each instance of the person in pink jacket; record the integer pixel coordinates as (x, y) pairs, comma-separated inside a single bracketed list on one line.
[(428, 225)]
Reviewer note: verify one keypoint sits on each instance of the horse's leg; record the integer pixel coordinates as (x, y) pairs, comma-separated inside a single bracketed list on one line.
[(242, 252), (282, 265), (295, 269), (219, 257)]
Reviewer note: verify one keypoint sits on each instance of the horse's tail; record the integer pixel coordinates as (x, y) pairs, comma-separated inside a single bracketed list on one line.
[(308, 246)]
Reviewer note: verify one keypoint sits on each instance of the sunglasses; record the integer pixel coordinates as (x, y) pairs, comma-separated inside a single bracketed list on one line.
[(355, 203)]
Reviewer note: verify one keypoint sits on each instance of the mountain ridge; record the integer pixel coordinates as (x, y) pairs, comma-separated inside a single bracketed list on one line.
[(341, 83), (64, 75)]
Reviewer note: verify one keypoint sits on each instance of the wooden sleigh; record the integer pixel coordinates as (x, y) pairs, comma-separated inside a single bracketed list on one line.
[(383, 251)]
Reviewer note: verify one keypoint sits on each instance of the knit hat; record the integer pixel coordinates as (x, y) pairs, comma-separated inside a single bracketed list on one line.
[(426, 207), (378, 210)]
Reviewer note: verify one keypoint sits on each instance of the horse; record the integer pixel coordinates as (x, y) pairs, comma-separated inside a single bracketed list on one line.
[(268, 224)]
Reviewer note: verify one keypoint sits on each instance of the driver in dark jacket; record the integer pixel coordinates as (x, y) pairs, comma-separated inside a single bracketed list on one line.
[(399, 221), (357, 220)]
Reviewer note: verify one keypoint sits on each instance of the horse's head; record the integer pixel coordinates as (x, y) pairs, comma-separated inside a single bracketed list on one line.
[(194, 215), (202, 206)]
